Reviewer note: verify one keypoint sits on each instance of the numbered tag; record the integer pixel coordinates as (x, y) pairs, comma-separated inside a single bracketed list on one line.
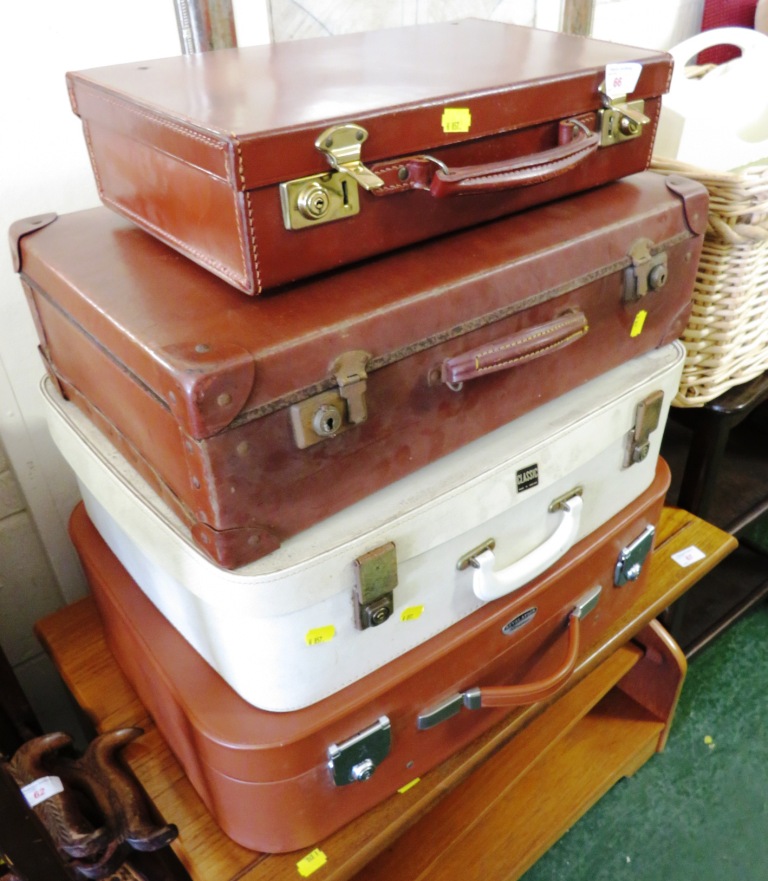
[(456, 119), (412, 613), (309, 864), (42, 789), (689, 556), (319, 635), (621, 79)]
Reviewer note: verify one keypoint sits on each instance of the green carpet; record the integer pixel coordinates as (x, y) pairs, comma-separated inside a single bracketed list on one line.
[(757, 532), (699, 810)]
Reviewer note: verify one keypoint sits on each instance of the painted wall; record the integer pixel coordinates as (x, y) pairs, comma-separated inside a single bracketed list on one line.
[(45, 168)]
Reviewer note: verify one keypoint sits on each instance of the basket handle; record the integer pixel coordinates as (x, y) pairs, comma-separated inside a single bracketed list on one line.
[(753, 45)]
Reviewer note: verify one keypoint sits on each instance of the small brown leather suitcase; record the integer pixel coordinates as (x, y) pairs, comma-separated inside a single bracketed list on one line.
[(255, 418), (276, 162), (280, 781)]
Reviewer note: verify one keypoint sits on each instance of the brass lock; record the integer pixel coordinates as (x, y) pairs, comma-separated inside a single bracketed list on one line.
[(313, 201), (621, 120), (334, 195), (329, 413)]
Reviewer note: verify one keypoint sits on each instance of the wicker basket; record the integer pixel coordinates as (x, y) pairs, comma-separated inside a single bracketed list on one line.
[(727, 335)]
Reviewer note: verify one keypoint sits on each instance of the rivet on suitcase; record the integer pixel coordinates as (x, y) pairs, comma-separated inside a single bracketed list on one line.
[(278, 782), (361, 588), (257, 418), (272, 163)]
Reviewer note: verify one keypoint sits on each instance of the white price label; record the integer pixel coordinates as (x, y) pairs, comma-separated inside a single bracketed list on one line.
[(621, 79), (41, 789), (688, 556)]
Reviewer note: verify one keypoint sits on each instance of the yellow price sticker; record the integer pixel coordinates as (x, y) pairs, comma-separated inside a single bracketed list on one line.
[(409, 785), (311, 862), (411, 613), (456, 119), (320, 634), (638, 323)]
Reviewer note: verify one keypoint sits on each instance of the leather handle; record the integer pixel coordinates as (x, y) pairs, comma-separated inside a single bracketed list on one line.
[(515, 173), (531, 692), (514, 349), (576, 144)]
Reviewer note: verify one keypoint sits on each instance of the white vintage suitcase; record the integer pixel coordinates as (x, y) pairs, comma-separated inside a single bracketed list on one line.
[(366, 585)]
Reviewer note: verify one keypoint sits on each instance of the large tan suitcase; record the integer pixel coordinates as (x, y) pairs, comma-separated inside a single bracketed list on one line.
[(278, 782)]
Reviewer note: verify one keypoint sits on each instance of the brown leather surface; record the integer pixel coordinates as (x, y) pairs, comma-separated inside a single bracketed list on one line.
[(264, 775), (193, 147), (193, 381)]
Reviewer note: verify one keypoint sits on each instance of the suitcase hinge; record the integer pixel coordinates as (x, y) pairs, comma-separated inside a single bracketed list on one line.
[(647, 418), (648, 271), (321, 198), (355, 759), (376, 579), (632, 557), (325, 415), (620, 120)]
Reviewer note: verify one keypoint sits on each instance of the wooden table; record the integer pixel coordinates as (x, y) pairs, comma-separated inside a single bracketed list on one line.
[(499, 803)]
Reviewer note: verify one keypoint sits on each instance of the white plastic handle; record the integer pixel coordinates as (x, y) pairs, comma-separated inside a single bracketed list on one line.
[(488, 584), (752, 44)]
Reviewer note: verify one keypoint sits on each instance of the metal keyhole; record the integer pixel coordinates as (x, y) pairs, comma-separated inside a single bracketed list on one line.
[(327, 420), (313, 201)]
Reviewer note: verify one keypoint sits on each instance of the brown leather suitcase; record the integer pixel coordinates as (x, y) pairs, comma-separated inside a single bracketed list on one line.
[(280, 781), (255, 418), (276, 162)]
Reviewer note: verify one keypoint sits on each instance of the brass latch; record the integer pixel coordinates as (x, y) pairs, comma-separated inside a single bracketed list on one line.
[(647, 418), (342, 147), (321, 198), (648, 271), (620, 120), (376, 579), (329, 413)]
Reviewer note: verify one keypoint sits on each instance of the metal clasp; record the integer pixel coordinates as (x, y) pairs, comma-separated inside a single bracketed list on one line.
[(355, 759), (322, 198), (648, 271), (631, 558), (327, 414), (647, 418), (342, 145), (376, 579), (620, 120)]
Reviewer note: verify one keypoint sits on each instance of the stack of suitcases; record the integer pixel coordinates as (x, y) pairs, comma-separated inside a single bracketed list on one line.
[(363, 379)]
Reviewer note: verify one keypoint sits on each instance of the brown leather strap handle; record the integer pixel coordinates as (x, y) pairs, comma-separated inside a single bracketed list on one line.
[(514, 349), (577, 143), (530, 692)]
